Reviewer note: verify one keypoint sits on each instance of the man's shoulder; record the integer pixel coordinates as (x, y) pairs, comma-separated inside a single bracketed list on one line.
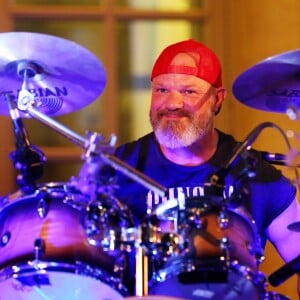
[(226, 138), (140, 145)]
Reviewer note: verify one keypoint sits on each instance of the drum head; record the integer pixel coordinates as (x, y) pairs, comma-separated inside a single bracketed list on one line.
[(56, 285)]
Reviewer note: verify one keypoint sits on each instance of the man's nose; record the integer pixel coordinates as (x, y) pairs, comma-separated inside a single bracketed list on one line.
[(174, 100)]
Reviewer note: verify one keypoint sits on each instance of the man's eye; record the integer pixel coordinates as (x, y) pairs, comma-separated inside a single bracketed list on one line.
[(189, 92), (161, 90)]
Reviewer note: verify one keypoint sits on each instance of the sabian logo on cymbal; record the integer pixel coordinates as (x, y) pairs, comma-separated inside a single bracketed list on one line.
[(48, 100), (48, 92), (284, 93), (41, 92)]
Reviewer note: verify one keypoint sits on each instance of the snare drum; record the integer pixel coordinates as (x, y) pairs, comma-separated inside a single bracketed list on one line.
[(204, 252), (45, 252)]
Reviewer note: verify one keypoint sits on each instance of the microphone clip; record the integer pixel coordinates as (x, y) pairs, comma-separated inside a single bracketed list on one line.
[(27, 158)]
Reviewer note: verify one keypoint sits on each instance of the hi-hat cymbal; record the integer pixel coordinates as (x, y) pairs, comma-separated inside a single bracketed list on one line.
[(271, 85), (62, 75)]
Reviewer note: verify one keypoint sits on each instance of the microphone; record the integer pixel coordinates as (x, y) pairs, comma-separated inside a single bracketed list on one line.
[(22, 141), (291, 159), (285, 272), (274, 158), (218, 178), (245, 145), (27, 158)]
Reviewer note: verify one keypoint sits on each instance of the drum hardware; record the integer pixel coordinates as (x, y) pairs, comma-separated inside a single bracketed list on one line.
[(225, 247), (39, 249), (141, 265), (5, 238), (94, 145), (42, 205), (223, 219), (91, 222), (107, 226)]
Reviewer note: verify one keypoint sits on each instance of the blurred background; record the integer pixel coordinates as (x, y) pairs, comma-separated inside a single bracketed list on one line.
[(127, 36)]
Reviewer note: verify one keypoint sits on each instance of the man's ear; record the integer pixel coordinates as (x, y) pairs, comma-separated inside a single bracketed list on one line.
[(221, 94)]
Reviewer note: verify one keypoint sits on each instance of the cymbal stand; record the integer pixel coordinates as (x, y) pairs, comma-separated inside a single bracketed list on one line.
[(95, 148), (26, 103)]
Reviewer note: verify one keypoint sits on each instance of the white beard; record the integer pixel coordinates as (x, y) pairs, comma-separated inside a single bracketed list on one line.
[(178, 134)]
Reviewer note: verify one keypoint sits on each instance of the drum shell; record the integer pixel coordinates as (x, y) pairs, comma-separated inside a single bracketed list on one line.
[(210, 241), (61, 230), (205, 252)]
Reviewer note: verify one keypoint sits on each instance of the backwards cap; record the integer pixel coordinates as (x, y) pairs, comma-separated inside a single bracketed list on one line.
[(208, 66)]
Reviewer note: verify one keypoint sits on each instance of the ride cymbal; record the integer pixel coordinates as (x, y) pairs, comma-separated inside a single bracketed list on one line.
[(272, 85), (62, 75)]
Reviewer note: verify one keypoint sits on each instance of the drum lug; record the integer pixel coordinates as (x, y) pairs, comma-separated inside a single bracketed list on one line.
[(225, 243), (223, 219), (194, 221), (5, 239), (198, 221), (257, 252), (225, 247), (93, 219), (39, 249), (42, 207)]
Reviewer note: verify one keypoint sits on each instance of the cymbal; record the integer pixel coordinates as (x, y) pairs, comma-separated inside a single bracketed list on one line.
[(62, 75), (271, 85)]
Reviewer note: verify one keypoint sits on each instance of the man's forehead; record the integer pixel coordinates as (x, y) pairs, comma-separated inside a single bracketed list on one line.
[(190, 59), (180, 80)]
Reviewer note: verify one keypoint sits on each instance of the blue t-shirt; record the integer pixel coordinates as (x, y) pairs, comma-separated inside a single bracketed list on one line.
[(264, 196)]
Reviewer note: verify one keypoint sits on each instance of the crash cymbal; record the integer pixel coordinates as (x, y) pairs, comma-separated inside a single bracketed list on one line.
[(62, 75), (271, 85)]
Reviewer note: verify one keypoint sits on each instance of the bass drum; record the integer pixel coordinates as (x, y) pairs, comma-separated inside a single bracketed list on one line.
[(203, 252), (45, 252)]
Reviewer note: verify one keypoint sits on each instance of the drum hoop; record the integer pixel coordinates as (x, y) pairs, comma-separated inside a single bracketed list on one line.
[(56, 190)]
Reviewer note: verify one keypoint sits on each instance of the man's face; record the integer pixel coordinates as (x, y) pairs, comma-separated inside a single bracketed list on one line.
[(182, 109)]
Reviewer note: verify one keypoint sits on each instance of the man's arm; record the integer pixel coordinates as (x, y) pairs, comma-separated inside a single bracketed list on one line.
[(285, 240)]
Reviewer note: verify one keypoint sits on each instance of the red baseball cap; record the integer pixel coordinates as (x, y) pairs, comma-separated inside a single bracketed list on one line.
[(209, 67)]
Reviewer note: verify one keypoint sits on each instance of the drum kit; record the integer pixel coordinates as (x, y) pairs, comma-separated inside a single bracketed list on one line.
[(76, 240)]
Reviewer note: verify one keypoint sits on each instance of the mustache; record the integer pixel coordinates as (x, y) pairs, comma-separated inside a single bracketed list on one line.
[(177, 112)]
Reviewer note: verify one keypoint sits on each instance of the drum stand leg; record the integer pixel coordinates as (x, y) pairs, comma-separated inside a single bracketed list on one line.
[(141, 271)]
